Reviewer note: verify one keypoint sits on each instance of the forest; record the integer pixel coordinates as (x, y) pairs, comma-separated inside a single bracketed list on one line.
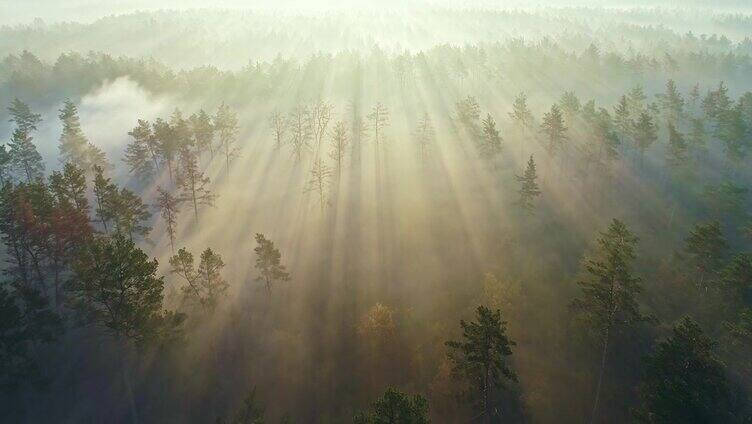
[(437, 211)]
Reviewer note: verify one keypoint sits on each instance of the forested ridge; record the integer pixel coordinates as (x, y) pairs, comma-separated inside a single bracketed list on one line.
[(482, 226)]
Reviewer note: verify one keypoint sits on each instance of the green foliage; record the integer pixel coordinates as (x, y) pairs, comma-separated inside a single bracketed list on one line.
[(205, 284), (685, 382), (706, 248), (529, 189), (480, 360), (73, 142), (554, 129), (269, 262), (114, 285), (395, 407), (24, 158)]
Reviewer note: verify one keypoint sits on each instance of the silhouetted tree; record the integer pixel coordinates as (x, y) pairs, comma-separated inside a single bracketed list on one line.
[(205, 284), (339, 146), (685, 382), (192, 182), (269, 263), (226, 127), (706, 248), (490, 145), (73, 143), (554, 128), (521, 114), (395, 407), (169, 207)]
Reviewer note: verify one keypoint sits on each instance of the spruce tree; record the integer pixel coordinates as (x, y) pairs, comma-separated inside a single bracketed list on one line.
[(529, 189)]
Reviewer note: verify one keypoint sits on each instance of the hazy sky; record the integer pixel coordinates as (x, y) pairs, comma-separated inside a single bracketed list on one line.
[(24, 11)]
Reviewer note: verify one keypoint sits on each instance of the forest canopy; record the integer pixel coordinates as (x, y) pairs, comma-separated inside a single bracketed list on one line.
[(436, 211)]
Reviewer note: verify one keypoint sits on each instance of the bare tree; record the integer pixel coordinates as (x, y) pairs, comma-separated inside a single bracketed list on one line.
[(339, 144), (279, 126), (319, 181), (300, 132)]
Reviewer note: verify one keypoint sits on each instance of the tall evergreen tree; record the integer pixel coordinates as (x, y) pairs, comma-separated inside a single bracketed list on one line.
[(139, 154), (685, 381), (608, 301), (677, 147), (202, 131), (21, 115), (24, 157), (706, 248), (490, 145), (645, 133), (73, 142), (521, 114), (554, 128), (5, 166), (480, 360), (529, 189)]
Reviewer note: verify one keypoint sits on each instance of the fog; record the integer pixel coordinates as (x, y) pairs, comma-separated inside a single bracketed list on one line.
[(416, 221)]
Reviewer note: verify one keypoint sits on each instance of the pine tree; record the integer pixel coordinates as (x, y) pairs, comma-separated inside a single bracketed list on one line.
[(202, 131), (636, 102), (114, 284), (677, 147), (570, 105), (226, 127), (73, 142), (645, 133), (105, 193), (145, 142), (69, 187), (521, 114), (529, 189), (130, 214), (622, 118), (608, 304), (205, 284), (96, 156), (169, 208), (468, 116), (339, 144), (269, 263), (140, 159), (5, 166), (671, 102), (24, 157), (706, 248), (685, 381), (480, 360), (490, 145), (554, 128), (192, 182), (21, 115), (167, 144), (395, 407)]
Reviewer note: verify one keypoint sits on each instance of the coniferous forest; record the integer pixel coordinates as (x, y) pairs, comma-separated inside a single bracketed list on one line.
[(358, 212)]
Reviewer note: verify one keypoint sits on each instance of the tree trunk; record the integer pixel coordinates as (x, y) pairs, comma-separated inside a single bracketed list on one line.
[(600, 378)]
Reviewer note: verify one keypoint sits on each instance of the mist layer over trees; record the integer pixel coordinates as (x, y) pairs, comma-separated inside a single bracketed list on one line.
[(416, 215)]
